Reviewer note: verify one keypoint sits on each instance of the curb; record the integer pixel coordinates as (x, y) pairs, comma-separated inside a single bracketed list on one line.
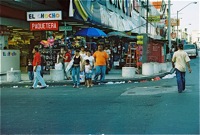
[(61, 83)]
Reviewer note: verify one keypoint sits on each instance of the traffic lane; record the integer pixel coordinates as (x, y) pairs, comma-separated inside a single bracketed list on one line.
[(101, 109)]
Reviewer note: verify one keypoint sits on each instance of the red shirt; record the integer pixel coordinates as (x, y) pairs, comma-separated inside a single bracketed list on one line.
[(69, 57), (37, 59)]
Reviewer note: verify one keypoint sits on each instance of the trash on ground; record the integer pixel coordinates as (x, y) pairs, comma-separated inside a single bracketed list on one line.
[(169, 76)]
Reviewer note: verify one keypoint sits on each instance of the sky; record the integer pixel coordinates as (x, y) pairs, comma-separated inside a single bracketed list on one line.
[(190, 16)]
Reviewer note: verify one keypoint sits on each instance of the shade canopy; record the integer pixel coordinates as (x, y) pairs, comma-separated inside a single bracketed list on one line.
[(119, 34), (91, 32)]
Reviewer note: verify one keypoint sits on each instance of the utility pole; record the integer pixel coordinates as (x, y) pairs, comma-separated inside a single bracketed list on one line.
[(147, 17), (169, 24)]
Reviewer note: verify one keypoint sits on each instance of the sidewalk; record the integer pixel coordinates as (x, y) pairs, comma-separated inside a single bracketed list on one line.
[(115, 75)]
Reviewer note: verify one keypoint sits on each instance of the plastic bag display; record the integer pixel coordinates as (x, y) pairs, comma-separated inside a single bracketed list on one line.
[(69, 66), (82, 77), (58, 66)]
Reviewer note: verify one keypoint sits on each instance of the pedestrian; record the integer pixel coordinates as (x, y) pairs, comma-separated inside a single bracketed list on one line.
[(91, 61), (101, 62), (179, 61), (29, 69), (37, 70), (107, 50), (67, 59), (88, 73), (77, 65), (61, 55), (172, 50), (90, 58), (83, 52)]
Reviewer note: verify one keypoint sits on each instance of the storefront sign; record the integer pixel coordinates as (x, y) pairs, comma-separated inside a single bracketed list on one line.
[(154, 18), (174, 22), (44, 15), (9, 53), (40, 26), (63, 28)]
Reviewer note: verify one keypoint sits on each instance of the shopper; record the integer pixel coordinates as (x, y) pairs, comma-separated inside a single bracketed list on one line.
[(78, 62), (179, 61), (61, 55), (67, 59), (83, 52), (37, 70), (107, 50), (101, 60), (29, 69), (88, 73), (91, 61)]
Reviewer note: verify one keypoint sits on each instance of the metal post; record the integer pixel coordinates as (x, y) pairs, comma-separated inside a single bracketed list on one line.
[(65, 24), (139, 19), (147, 17), (169, 24), (177, 29), (177, 16)]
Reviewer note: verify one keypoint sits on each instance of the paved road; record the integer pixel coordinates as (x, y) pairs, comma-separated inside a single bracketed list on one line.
[(140, 108)]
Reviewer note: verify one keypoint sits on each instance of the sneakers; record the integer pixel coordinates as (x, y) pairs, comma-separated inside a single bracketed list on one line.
[(31, 87), (43, 87), (74, 86)]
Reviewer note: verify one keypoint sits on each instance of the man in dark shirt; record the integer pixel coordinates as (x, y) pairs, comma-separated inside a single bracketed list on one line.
[(37, 70)]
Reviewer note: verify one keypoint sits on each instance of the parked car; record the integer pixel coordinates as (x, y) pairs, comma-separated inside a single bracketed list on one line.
[(190, 49)]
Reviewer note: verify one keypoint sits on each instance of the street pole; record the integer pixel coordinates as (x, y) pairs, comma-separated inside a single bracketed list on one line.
[(177, 29), (177, 16), (139, 19), (169, 24), (147, 16)]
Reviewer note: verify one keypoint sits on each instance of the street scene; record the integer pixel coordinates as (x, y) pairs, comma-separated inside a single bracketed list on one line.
[(152, 107), (99, 67)]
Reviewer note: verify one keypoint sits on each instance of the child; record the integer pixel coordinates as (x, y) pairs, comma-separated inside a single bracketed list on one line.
[(88, 73), (30, 70)]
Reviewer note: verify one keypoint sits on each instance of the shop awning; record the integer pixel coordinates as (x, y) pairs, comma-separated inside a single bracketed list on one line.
[(119, 34)]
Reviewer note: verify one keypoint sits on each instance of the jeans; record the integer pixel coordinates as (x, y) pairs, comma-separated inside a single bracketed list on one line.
[(76, 75), (100, 70), (180, 76), (38, 77), (67, 74), (30, 75)]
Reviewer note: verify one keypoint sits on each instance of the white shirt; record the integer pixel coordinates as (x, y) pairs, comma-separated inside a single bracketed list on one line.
[(87, 69), (91, 59), (83, 54), (180, 58)]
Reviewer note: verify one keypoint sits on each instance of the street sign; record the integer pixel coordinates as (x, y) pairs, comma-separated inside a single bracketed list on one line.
[(65, 28), (154, 18)]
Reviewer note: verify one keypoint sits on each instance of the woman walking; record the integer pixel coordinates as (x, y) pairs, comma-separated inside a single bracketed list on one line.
[(78, 60)]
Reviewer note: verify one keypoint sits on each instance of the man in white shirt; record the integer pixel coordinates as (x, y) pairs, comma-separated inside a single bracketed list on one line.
[(179, 61)]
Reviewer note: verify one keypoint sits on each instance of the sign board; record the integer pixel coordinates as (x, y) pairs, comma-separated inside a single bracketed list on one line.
[(174, 22), (154, 18), (40, 26), (44, 16), (65, 28)]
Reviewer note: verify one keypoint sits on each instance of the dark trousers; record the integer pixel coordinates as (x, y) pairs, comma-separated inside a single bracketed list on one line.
[(180, 76)]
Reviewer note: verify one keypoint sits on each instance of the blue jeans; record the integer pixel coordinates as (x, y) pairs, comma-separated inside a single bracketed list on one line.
[(76, 75), (180, 76), (100, 70), (38, 77), (30, 75)]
